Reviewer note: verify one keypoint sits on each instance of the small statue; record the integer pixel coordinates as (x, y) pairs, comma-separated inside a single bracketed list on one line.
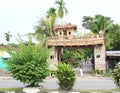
[(101, 33)]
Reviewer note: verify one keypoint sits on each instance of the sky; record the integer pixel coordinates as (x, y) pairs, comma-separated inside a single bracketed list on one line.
[(21, 16)]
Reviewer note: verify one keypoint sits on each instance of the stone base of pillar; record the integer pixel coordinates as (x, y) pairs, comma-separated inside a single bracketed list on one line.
[(101, 67)]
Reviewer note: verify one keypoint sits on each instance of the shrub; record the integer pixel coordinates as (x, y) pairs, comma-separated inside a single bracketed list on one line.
[(29, 63), (116, 75), (74, 64), (98, 72), (65, 75), (71, 56)]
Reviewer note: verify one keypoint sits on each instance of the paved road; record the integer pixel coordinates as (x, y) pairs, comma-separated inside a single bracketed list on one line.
[(84, 83), (10, 83), (105, 84)]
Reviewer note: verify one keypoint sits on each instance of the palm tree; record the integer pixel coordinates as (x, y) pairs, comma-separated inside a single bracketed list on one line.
[(41, 30), (51, 12), (45, 26), (61, 8), (7, 35), (50, 20)]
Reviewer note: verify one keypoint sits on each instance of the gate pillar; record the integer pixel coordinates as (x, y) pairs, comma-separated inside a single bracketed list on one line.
[(100, 57), (53, 59)]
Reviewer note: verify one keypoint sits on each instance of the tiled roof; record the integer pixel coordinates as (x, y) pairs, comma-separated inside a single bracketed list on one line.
[(65, 26)]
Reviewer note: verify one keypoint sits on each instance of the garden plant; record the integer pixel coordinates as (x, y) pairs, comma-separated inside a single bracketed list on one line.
[(65, 75), (116, 75), (28, 63)]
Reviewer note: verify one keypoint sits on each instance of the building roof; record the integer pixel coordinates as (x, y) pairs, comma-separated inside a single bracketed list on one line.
[(2, 45), (67, 26), (112, 53)]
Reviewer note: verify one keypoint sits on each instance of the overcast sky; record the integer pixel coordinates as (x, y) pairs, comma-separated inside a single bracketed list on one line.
[(22, 15)]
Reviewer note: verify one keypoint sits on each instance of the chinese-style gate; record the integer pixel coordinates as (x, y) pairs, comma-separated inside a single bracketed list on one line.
[(64, 37)]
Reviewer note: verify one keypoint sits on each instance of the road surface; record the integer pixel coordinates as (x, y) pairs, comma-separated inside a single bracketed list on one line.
[(51, 83)]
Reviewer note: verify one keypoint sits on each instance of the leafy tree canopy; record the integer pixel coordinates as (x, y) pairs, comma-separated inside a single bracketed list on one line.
[(106, 24), (96, 23), (113, 37)]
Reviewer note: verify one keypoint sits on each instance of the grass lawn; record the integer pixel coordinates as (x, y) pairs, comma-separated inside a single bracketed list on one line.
[(47, 90), (111, 90), (11, 89)]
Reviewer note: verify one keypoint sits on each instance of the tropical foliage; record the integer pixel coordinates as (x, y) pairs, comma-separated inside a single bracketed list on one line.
[(50, 20), (46, 24), (96, 23), (116, 75), (113, 37), (98, 72), (106, 24), (28, 63), (65, 75), (74, 56), (44, 28), (61, 8)]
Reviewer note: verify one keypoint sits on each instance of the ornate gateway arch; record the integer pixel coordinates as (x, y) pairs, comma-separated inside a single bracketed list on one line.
[(64, 37)]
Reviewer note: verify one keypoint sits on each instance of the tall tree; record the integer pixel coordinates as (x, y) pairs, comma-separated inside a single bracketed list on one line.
[(50, 20), (61, 8), (45, 26), (113, 37), (41, 31), (96, 23), (100, 22), (51, 12)]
